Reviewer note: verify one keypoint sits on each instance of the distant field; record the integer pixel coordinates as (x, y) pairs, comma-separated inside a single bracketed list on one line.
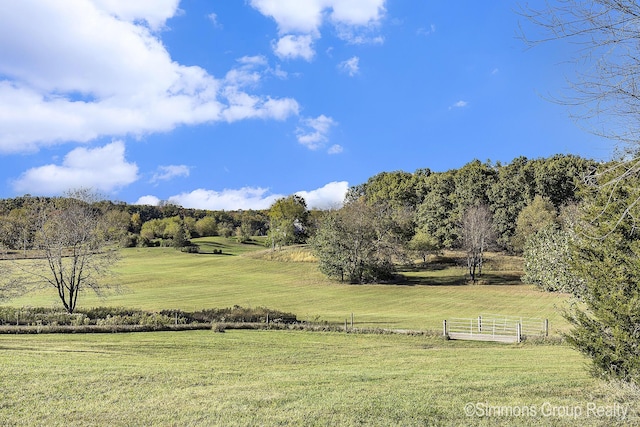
[(250, 275), (285, 378)]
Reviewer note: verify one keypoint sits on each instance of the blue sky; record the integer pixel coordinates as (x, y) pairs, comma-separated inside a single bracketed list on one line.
[(230, 104)]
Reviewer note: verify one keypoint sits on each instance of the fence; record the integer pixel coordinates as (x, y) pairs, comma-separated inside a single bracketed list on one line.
[(498, 328)]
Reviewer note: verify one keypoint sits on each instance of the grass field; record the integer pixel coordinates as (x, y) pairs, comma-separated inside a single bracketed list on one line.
[(286, 378), (248, 275), (304, 378)]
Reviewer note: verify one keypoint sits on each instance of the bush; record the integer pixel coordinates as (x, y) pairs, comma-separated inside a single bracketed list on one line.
[(190, 249), (120, 316)]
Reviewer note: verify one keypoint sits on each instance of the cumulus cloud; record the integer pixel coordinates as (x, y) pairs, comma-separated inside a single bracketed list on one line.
[(166, 173), (351, 66), (354, 20), (292, 47), (103, 169), (313, 131), (148, 200), (244, 198), (153, 12), (330, 196), (81, 69)]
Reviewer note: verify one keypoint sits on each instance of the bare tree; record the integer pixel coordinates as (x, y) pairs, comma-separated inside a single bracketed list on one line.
[(477, 234), (75, 246), (605, 91)]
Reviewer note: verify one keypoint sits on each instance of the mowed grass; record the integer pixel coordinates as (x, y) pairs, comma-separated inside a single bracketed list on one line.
[(252, 276), (293, 378), (276, 377)]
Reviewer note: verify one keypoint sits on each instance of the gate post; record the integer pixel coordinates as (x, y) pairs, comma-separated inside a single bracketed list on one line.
[(444, 328), (518, 332)]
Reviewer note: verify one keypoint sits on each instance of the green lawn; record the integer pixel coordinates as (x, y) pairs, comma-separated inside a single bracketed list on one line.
[(290, 378), (301, 378), (163, 278)]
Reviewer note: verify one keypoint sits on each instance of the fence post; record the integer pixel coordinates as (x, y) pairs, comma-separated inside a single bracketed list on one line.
[(351, 320), (345, 325), (546, 327), (444, 328), (518, 332), (480, 324)]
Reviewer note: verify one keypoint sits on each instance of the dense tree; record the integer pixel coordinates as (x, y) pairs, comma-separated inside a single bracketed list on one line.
[(434, 215), (288, 221), (360, 242), (513, 188), (548, 259), (537, 215), (557, 178), (395, 188), (472, 184), (207, 226), (606, 258)]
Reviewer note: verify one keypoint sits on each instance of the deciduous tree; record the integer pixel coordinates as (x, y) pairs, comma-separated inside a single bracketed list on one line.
[(77, 245), (477, 235), (288, 221)]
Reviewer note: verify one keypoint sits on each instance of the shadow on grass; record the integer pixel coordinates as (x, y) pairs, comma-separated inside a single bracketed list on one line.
[(451, 276)]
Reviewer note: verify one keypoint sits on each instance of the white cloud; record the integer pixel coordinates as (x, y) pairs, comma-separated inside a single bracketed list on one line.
[(459, 104), (148, 200), (314, 132), (214, 20), (335, 149), (330, 196), (165, 173), (350, 66), (426, 31), (102, 169), (244, 198), (77, 70), (292, 47), (354, 20)]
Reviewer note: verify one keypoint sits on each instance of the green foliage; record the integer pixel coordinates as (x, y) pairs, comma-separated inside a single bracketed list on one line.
[(434, 215), (537, 215), (117, 316), (288, 221), (472, 183), (513, 188), (423, 244), (360, 242), (399, 189), (606, 257), (207, 226), (547, 256)]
